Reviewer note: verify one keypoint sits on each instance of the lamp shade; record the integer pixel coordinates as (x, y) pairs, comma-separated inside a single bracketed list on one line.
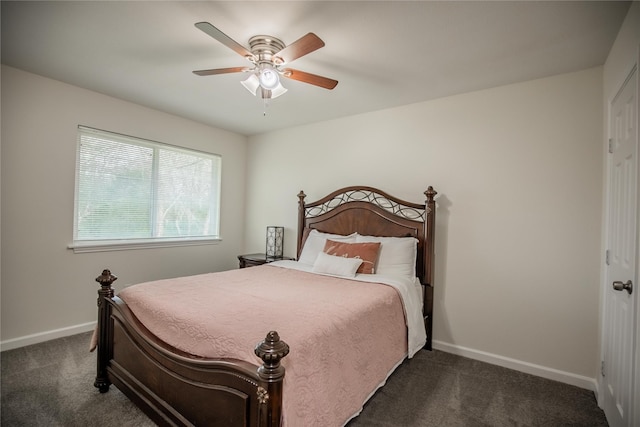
[(278, 90), (275, 241), (251, 84)]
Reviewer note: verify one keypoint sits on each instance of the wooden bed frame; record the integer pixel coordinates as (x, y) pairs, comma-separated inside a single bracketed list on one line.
[(176, 388)]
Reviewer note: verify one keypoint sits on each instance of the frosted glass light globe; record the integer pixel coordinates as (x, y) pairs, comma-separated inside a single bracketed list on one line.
[(269, 79)]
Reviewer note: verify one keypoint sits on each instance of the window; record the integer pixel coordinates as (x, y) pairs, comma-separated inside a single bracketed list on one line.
[(133, 192)]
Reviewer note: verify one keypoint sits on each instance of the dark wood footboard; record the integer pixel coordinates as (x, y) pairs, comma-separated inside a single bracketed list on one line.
[(176, 388)]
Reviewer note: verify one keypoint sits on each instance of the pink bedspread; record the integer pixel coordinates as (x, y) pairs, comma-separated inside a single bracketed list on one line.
[(345, 336)]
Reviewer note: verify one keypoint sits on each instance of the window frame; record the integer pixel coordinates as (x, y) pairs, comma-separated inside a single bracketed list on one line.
[(100, 245)]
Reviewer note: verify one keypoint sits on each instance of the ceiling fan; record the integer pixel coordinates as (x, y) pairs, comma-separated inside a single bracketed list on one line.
[(268, 55)]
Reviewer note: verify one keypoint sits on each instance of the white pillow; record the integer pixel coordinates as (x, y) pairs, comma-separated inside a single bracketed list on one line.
[(397, 255), (315, 244), (336, 265)]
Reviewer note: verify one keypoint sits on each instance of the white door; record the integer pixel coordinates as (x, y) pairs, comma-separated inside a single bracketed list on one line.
[(622, 287)]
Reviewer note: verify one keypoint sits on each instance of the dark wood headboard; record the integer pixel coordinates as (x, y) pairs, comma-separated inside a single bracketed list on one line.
[(372, 212)]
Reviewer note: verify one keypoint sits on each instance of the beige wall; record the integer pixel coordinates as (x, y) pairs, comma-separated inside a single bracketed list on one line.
[(519, 172), (45, 286)]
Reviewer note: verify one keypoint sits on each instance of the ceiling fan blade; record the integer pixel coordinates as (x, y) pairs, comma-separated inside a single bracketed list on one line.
[(313, 79), (225, 39), (304, 45), (221, 71)]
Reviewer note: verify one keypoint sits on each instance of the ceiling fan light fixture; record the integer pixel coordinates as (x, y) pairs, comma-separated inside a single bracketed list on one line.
[(268, 78), (252, 84)]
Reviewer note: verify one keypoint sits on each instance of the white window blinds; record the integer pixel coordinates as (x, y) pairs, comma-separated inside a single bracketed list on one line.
[(129, 188)]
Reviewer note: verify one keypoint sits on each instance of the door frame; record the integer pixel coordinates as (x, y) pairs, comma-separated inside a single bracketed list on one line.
[(635, 406), (635, 411), (635, 415)]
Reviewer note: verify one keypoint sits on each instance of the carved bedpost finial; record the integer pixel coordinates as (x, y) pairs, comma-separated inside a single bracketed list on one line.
[(271, 350), (106, 278), (430, 193), (301, 196)]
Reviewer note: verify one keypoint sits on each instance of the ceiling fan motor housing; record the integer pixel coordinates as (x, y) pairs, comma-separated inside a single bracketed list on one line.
[(265, 47)]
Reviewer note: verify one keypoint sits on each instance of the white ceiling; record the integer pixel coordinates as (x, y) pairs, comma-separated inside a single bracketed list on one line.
[(383, 53)]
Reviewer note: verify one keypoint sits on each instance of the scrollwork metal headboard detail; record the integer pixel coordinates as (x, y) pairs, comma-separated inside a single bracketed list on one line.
[(372, 197)]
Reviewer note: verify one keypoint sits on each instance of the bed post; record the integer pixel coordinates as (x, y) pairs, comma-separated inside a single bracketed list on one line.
[(105, 331), (271, 351), (429, 263), (301, 216)]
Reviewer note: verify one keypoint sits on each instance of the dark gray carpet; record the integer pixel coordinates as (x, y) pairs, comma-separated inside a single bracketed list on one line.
[(51, 384), (438, 389)]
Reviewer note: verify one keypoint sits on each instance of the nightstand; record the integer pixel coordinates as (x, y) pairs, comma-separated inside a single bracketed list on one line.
[(251, 260)]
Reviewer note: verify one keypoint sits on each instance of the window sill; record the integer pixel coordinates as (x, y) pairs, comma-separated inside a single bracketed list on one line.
[(124, 245)]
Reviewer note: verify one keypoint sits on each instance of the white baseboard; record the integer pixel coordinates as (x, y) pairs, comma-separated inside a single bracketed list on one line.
[(519, 365), (46, 336)]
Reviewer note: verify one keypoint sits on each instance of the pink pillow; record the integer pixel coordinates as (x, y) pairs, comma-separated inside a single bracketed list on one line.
[(367, 252)]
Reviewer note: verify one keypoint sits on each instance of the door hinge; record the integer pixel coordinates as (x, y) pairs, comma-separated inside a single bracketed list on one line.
[(606, 257), (610, 145), (602, 368)]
